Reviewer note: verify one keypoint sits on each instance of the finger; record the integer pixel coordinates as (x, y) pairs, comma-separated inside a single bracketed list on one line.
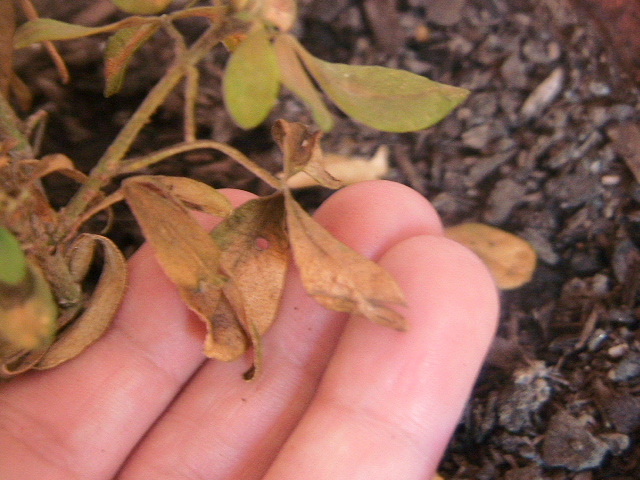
[(223, 427), (82, 418), (389, 401)]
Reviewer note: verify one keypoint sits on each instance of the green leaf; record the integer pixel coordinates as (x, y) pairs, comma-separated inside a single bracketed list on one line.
[(142, 7), (28, 311), (12, 260), (251, 80), (296, 79), (383, 98), (120, 48), (43, 29)]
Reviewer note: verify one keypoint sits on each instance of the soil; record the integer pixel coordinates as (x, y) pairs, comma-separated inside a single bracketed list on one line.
[(546, 147)]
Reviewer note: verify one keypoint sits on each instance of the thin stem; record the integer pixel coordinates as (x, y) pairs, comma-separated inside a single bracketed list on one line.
[(135, 164), (108, 164)]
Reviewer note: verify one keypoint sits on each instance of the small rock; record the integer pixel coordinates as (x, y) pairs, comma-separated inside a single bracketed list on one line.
[(628, 368), (514, 72), (477, 137), (568, 444), (506, 195), (532, 472), (445, 12)]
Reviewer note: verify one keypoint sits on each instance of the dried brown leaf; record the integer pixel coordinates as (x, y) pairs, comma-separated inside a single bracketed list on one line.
[(302, 153), (197, 195), (184, 250), (338, 277), (255, 253), (511, 259), (100, 308), (7, 29)]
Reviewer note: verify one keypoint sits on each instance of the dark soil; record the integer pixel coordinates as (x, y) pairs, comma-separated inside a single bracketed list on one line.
[(546, 147)]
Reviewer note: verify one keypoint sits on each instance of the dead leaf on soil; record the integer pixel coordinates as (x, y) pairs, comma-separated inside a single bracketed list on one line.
[(254, 255), (185, 251), (510, 259), (347, 170), (338, 277)]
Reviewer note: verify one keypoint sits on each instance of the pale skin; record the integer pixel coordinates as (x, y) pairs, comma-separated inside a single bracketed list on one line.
[(338, 398)]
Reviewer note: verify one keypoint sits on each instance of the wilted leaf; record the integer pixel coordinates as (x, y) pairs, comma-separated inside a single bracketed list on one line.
[(120, 48), (347, 170), (43, 29), (226, 339), (99, 309), (383, 98), (301, 152), (296, 79), (510, 259), (27, 310), (254, 256), (338, 277), (184, 250), (142, 7), (251, 80), (196, 195), (212, 13)]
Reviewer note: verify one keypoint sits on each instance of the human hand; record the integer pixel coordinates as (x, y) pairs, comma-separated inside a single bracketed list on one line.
[(338, 398)]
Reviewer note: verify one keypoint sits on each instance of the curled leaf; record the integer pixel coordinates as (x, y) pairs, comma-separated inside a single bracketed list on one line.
[(120, 48), (296, 79), (302, 153), (510, 259), (338, 277), (251, 80), (383, 98), (255, 253), (100, 308), (184, 250)]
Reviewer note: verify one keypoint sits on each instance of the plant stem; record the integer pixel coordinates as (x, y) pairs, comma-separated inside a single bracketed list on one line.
[(108, 164), (19, 147), (135, 164)]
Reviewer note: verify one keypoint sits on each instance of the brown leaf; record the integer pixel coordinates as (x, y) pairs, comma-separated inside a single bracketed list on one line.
[(101, 306), (254, 256), (301, 152), (196, 195), (510, 259), (184, 250), (226, 339), (338, 277)]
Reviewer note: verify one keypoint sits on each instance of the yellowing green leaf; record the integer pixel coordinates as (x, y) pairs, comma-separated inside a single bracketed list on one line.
[(296, 79), (383, 98), (301, 152), (338, 277), (43, 29), (120, 48), (28, 311), (13, 264), (510, 259), (254, 256), (251, 80), (184, 250), (142, 7), (99, 309)]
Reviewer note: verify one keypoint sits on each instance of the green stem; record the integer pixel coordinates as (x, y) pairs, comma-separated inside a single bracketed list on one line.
[(135, 164), (108, 164), (17, 142)]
